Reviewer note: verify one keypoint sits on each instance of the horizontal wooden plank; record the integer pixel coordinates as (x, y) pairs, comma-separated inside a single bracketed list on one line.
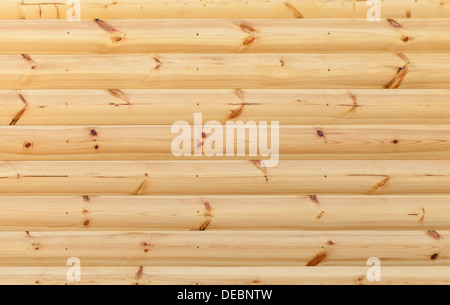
[(300, 142), (225, 248), (227, 71), (289, 107), (223, 36), (224, 177), (202, 213), (225, 276), (126, 9)]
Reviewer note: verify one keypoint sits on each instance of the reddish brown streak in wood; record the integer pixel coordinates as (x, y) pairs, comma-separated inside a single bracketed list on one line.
[(404, 57), (21, 112), (208, 216), (43, 3), (140, 273), (316, 260), (421, 220), (254, 282), (27, 57), (355, 102), (158, 63), (207, 206), (252, 35), (120, 95), (434, 234), (262, 167), (240, 94), (105, 26), (394, 23), (295, 11), (314, 199), (86, 198), (248, 41), (44, 176), (397, 81), (381, 184), (237, 112), (246, 28), (145, 246), (142, 186)]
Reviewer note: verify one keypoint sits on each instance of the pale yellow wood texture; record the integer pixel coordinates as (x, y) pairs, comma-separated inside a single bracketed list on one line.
[(225, 248), (145, 275), (224, 36), (200, 71), (300, 142), (87, 168), (225, 177), (287, 106), (274, 9), (189, 213)]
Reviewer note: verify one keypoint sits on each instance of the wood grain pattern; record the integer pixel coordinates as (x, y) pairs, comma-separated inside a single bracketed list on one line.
[(87, 170), (225, 177), (224, 248), (300, 142), (223, 36), (274, 9), (256, 71), (325, 275), (227, 213), (289, 107)]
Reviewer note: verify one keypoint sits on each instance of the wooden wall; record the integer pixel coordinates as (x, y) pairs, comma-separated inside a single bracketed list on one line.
[(86, 169)]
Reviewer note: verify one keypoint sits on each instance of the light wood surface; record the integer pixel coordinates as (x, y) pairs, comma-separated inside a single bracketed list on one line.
[(145, 275), (289, 107), (87, 170), (229, 213), (225, 177), (274, 9), (300, 142), (225, 248), (248, 71), (223, 36)]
